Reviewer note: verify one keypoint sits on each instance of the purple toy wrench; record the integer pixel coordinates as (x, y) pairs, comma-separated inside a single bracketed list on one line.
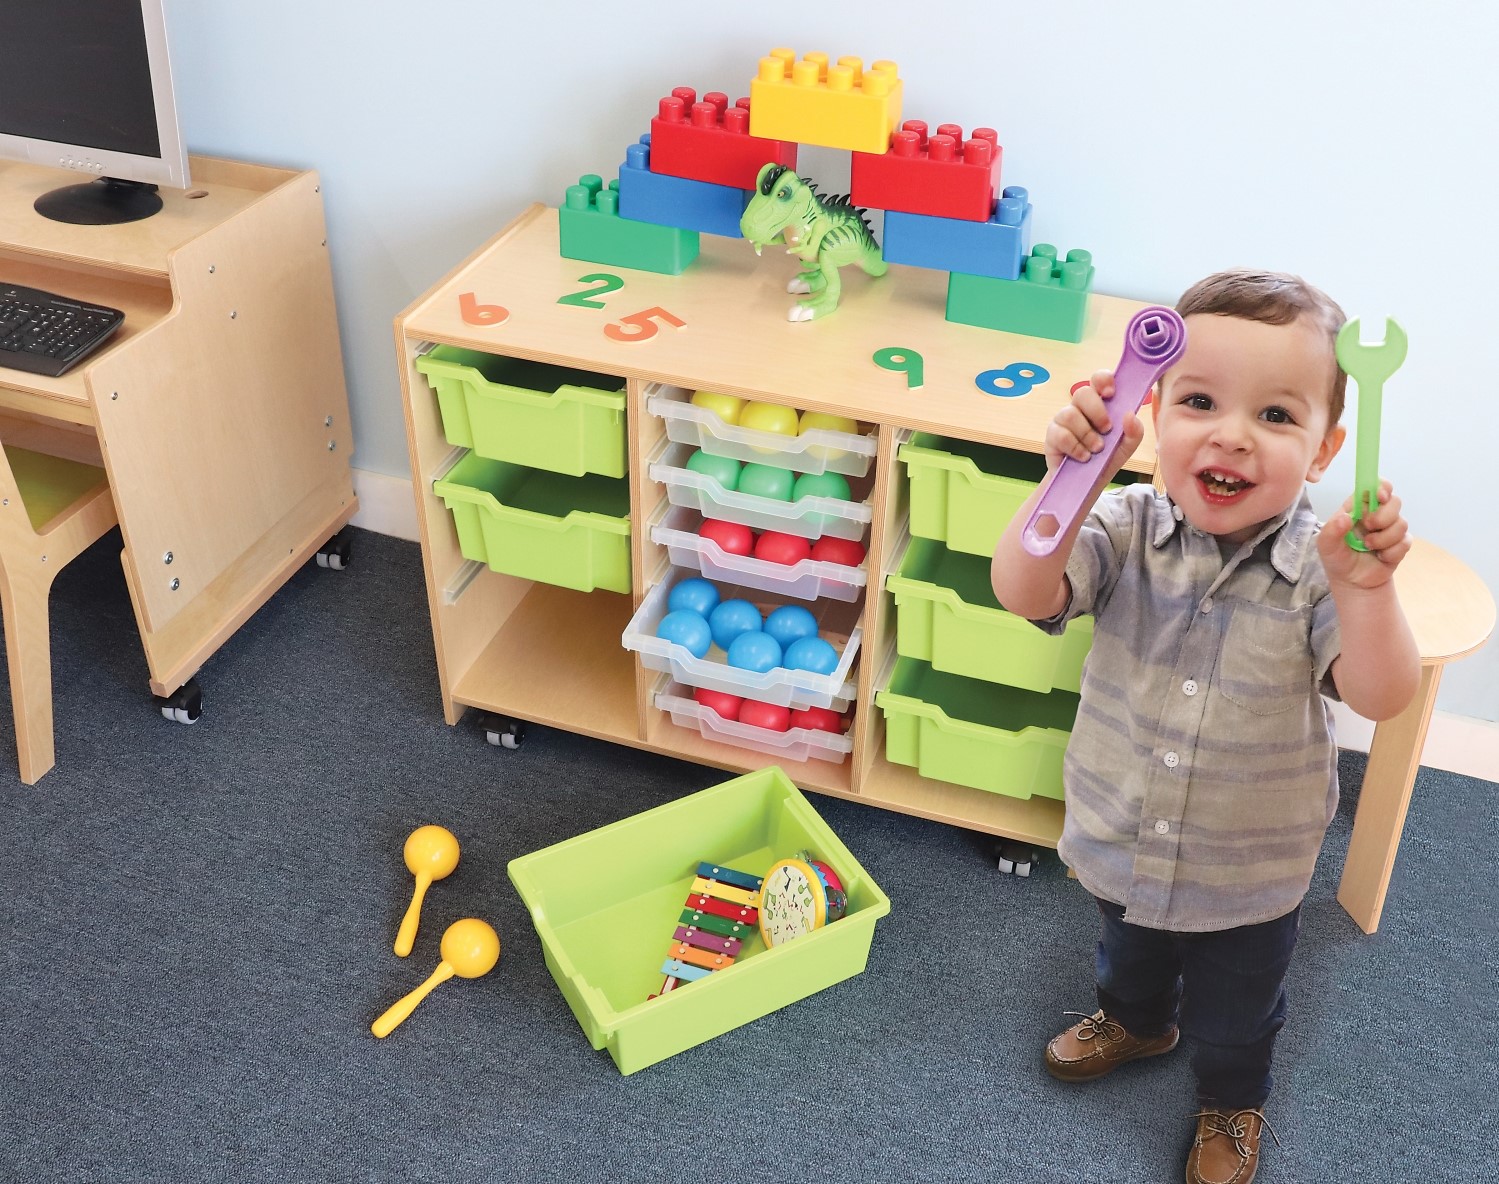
[(1154, 338)]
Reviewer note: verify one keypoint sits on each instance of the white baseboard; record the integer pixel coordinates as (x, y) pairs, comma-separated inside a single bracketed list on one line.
[(1455, 743), (387, 505)]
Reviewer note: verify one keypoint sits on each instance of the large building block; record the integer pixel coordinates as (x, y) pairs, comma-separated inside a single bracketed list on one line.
[(995, 248), (833, 106), (710, 141), (648, 196), (590, 228), (1049, 300), (941, 176)]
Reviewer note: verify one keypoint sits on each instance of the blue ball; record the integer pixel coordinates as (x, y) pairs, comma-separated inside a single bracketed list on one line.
[(731, 618), (790, 623), (755, 651), (812, 653), (695, 595), (686, 628)]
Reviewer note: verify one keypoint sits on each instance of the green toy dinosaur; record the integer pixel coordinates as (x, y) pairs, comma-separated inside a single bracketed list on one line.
[(825, 233)]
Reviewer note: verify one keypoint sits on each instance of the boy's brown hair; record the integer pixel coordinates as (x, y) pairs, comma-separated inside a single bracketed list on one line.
[(1272, 298)]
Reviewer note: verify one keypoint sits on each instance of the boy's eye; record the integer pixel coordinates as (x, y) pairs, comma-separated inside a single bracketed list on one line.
[(1198, 402), (1277, 415)]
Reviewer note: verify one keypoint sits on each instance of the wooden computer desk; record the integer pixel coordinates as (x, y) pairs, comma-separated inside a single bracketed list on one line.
[(218, 411), (1451, 614)]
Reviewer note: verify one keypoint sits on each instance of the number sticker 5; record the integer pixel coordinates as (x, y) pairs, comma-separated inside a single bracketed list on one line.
[(639, 326)]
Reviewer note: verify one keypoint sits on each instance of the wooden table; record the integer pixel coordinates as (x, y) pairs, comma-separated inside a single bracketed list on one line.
[(1451, 614)]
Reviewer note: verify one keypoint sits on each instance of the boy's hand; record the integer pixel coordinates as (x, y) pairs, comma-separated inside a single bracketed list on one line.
[(1386, 534), (1076, 429)]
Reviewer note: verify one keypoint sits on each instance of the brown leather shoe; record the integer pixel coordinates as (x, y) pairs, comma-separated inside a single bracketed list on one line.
[(1227, 1147), (1099, 1045)]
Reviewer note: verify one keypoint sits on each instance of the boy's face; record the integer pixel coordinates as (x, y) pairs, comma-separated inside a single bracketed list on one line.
[(1241, 421)]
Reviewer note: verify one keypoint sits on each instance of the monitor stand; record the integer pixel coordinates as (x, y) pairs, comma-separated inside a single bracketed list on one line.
[(105, 202)]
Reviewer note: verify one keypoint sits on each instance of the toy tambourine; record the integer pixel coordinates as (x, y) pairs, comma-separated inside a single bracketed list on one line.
[(798, 896)]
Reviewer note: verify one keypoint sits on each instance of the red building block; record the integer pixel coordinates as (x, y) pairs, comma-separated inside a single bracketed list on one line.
[(710, 141), (943, 176)]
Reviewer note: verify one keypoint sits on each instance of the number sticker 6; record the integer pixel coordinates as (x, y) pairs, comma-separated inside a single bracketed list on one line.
[(639, 326), (475, 313), (1020, 378)]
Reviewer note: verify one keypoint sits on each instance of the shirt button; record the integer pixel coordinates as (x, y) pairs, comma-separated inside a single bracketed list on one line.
[(1189, 688), (1207, 604), (1172, 760), (1162, 827)]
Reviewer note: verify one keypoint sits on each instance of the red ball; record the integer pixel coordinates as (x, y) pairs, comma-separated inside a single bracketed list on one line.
[(734, 537), (722, 702), (770, 716), (844, 551), (776, 547), (822, 718)]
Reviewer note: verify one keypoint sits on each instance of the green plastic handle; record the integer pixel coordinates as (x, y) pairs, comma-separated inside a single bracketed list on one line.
[(1369, 366)]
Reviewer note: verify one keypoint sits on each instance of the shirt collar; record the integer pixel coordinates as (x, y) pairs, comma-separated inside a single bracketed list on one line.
[(1294, 533)]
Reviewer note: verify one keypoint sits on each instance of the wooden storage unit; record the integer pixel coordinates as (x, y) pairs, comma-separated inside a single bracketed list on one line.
[(554, 656)]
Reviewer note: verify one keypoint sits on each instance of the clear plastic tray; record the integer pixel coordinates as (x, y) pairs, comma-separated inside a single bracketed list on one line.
[(810, 579), (812, 517), (819, 451), (794, 744), (837, 624)]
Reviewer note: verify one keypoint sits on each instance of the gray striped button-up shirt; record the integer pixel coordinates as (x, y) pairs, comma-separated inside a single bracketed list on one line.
[(1202, 771)]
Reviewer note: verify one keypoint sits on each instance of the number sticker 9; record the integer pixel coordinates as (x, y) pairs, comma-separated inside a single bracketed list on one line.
[(902, 361)]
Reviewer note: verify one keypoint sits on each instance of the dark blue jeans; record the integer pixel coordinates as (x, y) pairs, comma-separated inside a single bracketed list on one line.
[(1226, 990)]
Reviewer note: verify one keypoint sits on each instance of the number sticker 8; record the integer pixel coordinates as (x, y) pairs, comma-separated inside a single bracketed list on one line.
[(1022, 378)]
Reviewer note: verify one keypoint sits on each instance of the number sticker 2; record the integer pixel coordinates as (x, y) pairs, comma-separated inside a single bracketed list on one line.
[(606, 281), (1020, 378), (639, 326)]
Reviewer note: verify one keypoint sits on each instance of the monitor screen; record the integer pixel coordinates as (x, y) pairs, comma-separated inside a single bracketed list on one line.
[(85, 85)]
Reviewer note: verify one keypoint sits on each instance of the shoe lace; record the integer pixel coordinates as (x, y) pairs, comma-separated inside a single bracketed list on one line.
[(1098, 1025), (1235, 1126)]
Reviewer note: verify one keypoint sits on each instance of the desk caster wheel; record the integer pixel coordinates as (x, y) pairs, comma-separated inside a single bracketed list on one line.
[(1013, 857), (184, 705), (337, 552), (504, 732)]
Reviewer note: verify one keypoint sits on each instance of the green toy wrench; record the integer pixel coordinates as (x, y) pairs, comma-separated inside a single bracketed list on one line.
[(1369, 366)]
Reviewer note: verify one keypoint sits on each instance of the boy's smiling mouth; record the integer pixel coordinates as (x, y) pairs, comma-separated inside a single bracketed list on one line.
[(1220, 485)]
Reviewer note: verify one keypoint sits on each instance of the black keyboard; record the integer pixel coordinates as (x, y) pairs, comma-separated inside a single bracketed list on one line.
[(44, 333)]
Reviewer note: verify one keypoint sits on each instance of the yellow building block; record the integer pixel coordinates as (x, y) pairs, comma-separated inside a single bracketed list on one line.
[(833, 106)]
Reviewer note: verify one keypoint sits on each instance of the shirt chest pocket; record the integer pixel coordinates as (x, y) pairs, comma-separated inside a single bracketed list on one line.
[(1266, 663)]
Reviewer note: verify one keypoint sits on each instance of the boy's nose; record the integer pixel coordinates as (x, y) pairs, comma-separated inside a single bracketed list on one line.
[(1232, 434)]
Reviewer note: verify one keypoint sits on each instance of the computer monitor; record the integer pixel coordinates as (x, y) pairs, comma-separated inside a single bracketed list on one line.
[(85, 85)]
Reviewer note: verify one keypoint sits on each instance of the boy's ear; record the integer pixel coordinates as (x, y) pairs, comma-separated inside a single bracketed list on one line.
[(1331, 444)]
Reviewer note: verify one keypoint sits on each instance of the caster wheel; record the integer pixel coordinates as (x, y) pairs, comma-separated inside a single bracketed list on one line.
[(504, 732), (184, 705), (337, 553), (1014, 858)]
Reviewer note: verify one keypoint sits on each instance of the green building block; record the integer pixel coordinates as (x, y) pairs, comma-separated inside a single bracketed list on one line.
[(1050, 299), (592, 230)]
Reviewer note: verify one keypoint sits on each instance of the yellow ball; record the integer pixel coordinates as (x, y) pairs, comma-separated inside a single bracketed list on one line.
[(726, 407), (769, 417), (827, 422)]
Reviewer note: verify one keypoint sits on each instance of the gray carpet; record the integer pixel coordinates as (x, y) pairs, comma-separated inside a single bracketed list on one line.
[(196, 927)]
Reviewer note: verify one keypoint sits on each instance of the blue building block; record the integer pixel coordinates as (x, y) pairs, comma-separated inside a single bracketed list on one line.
[(996, 248), (676, 201)]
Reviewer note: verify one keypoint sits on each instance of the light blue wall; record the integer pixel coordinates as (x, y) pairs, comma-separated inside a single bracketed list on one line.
[(1351, 142)]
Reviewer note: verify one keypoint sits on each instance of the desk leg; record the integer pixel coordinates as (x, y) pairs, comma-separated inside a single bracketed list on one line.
[(1394, 758)]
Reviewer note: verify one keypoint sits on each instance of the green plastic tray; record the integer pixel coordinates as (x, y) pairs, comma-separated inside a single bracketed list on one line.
[(947, 615), (605, 905), (530, 413), (980, 734), (569, 531), (964, 493)]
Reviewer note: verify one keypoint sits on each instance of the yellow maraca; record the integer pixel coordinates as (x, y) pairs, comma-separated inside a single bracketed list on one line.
[(431, 854), (470, 947)]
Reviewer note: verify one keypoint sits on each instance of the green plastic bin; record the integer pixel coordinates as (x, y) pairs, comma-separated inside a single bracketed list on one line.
[(530, 413), (605, 905), (947, 615), (964, 493), (980, 734), (569, 531)]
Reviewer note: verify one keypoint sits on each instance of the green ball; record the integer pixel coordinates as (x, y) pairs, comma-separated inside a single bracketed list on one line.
[(820, 485), (723, 469), (767, 481)]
